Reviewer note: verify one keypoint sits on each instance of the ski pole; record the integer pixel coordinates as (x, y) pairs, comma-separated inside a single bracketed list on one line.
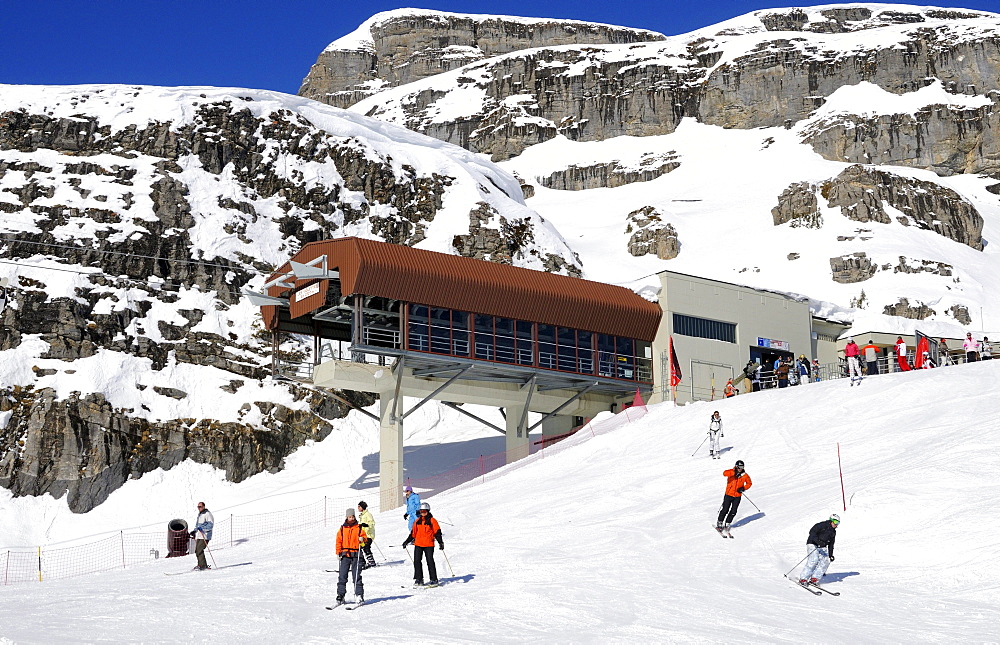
[(210, 555), (357, 563), (799, 562), (699, 446), (448, 561), (751, 502), (408, 554), (380, 551)]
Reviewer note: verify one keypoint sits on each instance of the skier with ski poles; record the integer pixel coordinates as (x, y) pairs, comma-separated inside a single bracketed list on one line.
[(203, 532), (425, 531), (819, 547), (737, 481), (349, 551), (714, 432), (367, 524), (412, 506)]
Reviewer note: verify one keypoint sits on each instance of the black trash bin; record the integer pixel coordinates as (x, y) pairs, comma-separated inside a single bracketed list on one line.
[(177, 538)]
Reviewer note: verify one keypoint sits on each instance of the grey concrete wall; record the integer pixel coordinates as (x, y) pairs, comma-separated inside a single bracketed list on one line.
[(755, 314)]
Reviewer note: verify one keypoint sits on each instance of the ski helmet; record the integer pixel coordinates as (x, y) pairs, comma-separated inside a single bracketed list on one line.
[(739, 463), (424, 506), (835, 518)]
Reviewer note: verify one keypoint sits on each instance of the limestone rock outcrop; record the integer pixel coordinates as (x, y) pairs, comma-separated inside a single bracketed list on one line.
[(149, 211), (863, 193), (406, 45), (856, 267), (650, 234)]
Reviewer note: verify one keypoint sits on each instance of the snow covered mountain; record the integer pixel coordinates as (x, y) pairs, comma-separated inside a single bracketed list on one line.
[(132, 217), (843, 152), (847, 153)]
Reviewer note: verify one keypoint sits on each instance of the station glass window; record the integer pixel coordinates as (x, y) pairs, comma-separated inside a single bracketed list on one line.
[(567, 349), (460, 333), (704, 328), (505, 340), (525, 343), (417, 330), (547, 346), (440, 331), (483, 337)]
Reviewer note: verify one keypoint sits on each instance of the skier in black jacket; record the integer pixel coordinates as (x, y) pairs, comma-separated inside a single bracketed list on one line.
[(819, 548)]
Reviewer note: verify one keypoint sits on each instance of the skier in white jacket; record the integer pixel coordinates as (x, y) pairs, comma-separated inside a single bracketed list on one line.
[(714, 433)]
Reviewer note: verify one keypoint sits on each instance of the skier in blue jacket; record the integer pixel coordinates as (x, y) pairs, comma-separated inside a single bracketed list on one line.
[(203, 532), (412, 506)]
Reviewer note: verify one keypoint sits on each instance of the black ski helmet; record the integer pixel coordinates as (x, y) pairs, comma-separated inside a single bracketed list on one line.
[(739, 463)]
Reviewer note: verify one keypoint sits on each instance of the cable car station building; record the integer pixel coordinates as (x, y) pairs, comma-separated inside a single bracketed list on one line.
[(429, 325)]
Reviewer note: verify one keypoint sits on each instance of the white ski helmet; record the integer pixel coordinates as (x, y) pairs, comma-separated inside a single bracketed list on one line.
[(424, 506), (835, 518)]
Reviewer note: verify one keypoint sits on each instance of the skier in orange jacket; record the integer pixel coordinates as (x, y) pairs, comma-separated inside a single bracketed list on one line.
[(425, 531), (737, 481), (348, 546)]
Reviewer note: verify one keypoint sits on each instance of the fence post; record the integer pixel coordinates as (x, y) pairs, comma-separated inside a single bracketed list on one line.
[(230, 530), (482, 468), (39, 564), (6, 571), (324, 511), (121, 535)]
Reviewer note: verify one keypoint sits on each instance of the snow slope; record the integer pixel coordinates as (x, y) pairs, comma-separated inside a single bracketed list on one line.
[(610, 539)]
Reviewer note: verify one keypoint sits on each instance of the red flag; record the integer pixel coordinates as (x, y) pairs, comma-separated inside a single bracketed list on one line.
[(637, 401), (675, 367), (918, 357)]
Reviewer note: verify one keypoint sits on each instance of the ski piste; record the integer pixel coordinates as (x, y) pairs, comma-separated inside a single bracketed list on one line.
[(226, 566)]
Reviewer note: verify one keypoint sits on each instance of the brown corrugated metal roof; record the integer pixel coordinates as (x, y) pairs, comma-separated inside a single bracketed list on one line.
[(413, 275)]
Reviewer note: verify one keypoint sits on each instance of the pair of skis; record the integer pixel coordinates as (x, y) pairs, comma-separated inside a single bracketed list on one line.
[(811, 586), (724, 532), (226, 566), (349, 607)]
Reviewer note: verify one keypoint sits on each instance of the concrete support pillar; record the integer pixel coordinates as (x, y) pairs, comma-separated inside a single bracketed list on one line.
[(554, 426), (390, 454), (517, 437)]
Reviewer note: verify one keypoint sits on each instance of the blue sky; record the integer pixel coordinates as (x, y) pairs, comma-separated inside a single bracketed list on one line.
[(268, 45)]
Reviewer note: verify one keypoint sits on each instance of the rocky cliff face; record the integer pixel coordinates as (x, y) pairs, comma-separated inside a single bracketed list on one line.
[(399, 47), (871, 89), (132, 219), (783, 67)]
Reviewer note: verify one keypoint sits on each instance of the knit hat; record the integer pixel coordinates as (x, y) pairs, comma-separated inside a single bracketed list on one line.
[(363, 505), (408, 489), (350, 512)]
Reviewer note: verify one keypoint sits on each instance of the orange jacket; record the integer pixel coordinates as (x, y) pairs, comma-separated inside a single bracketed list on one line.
[(348, 538), (730, 389), (424, 530), (733, 482)]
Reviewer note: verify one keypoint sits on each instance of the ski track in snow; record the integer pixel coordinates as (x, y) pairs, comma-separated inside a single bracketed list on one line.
[(608, 538)]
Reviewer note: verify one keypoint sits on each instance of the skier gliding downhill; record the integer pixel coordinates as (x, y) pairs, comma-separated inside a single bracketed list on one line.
[(737, 481)]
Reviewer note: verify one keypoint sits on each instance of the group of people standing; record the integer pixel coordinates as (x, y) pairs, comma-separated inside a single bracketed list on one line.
[(356, 535), (786, 371), (864, 361)]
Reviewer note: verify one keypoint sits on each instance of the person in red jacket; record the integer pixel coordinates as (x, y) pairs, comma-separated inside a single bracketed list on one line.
[(851, 351), (425, 530), (348, 545), (737, 481)]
